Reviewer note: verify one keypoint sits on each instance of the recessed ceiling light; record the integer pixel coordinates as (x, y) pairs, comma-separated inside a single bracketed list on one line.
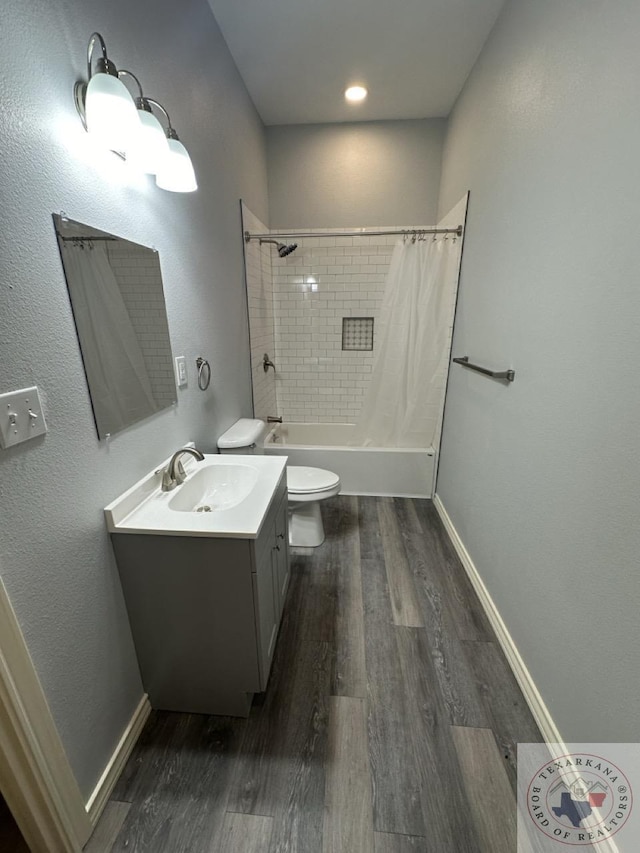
[(356, 93)]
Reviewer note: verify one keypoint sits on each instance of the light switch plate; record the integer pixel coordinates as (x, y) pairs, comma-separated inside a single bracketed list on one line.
[(21, 416), (181, 371)]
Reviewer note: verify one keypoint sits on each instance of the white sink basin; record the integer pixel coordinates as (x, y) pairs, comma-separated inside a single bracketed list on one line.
[(220, 498), (215, 487)]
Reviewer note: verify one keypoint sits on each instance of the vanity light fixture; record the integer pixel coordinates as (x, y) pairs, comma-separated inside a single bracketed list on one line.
[(176, 173), (104, 103), (149, 148), (354, 94), (130, 128)]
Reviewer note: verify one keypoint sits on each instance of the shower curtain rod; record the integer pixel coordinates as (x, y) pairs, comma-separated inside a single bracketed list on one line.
[(76, 239), (408, 232)]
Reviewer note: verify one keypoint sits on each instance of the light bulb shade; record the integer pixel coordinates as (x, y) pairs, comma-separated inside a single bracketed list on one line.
[(149, 148), (111, 115), (176, 173)]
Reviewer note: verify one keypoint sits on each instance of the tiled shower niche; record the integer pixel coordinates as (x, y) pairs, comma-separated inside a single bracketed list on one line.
[(357, 333)]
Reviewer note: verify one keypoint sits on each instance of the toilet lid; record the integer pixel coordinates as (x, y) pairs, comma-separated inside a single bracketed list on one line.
[(303, 480)]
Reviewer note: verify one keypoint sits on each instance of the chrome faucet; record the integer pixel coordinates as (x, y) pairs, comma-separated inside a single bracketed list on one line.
[(272, 419), (174, 474)]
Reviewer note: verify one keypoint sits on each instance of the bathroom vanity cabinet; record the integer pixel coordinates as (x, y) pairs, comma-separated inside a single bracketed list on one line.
[(205, 611)]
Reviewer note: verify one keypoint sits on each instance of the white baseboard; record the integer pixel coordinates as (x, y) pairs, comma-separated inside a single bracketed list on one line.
[(534, 700), (101, 793), (359, 493)]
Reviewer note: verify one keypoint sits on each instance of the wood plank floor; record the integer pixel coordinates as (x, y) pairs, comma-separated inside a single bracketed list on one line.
[(390, 722)]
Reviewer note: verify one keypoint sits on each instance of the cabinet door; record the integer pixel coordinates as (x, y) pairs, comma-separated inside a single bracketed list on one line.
[(281, 562), (267, 613)]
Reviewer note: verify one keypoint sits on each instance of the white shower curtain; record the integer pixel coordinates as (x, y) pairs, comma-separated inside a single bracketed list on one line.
[(402, 406), (116, 372)]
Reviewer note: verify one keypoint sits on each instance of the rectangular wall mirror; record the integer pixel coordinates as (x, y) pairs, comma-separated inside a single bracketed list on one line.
[(115, 287)]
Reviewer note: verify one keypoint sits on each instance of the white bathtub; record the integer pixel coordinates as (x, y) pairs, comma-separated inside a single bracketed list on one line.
[(398, 471)]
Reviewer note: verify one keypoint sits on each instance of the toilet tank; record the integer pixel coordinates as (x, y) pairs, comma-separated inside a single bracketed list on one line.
[(244, 437)]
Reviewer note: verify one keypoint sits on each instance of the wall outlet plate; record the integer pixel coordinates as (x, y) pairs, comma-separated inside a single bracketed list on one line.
[(21, 416), (181, 371)]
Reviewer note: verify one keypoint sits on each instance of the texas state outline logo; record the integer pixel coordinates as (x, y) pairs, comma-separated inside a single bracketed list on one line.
[(579, 799)]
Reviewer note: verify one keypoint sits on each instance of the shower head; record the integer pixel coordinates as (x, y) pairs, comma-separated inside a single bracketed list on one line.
[(283, 250)]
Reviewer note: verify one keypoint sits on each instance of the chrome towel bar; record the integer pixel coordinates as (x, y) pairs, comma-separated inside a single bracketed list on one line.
[(508, 375)]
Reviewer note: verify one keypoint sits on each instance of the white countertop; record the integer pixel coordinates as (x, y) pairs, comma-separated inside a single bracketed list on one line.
[(144, 508)]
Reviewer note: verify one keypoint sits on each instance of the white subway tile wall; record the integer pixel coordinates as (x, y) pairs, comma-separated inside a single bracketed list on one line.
[(296, 310), (261, 328), (137, 271), (323, 281)]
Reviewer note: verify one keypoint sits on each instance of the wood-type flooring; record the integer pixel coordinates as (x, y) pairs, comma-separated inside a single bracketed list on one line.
[(389, 725)]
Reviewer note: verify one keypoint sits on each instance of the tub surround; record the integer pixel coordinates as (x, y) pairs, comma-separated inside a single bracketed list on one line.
[(301, 305), (325, 280)]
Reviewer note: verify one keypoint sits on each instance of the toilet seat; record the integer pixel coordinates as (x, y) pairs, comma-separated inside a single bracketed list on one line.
[(304, 480)]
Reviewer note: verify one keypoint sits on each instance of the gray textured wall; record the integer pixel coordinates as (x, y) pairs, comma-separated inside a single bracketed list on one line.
[(542, 478), (354, 175), (55, 556)]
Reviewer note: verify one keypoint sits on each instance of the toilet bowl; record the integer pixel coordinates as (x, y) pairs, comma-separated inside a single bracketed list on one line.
[(306, 486)]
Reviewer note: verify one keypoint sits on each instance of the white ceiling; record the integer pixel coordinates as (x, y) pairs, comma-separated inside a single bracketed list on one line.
[(298, 56)]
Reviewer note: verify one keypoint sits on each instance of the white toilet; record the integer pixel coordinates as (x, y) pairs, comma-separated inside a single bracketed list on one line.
[(306, 486)]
